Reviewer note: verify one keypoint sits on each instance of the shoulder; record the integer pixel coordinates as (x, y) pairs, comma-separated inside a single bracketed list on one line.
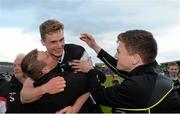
[(14, 80), (73, 46), (73, 51)]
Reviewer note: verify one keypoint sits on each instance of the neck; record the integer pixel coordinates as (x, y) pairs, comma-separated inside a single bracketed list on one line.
[(53, 64), (136, 65), (55, 58), (22, 79), (174, 77)]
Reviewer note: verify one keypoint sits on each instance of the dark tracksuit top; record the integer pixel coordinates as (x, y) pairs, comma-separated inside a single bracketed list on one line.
[(72, 52), (14, 103), (75, 85), (111, 62), (137, 91), (50, 103)]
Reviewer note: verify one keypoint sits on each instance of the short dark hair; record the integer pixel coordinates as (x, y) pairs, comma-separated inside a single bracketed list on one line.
[(50, 26), (141, 42), (31, 66), (172, 64)]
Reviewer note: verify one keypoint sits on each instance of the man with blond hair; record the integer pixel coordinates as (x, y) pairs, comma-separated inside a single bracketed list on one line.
[(52, 37)]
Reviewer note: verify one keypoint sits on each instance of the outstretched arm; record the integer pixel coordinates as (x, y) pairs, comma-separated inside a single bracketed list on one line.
[(29, 93)]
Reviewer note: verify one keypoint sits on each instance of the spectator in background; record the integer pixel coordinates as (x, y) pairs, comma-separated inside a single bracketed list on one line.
[(16, 84), (173, 69), (115, 82), (140, 90)]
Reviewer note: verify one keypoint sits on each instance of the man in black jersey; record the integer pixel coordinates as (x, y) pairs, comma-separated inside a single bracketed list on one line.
[(145, 88), (52, 37), (41, 67)]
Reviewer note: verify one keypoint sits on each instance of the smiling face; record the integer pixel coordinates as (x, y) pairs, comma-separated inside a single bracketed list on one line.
[(54, 43), (52, 37), (173, 70)]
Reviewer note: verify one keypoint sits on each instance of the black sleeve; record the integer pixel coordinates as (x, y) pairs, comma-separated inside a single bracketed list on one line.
[(101, 76), (111, 62), (73, 51), (115, 96)]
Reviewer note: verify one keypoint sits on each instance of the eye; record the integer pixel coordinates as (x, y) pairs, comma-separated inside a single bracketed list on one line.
[(53, 42)]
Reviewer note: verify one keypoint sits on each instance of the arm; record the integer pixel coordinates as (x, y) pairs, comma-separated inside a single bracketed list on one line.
[(114, 96), (109, 60), (101, 75), (29, 93), (104, 56), (77, 105), (90, 42), (80, 101), (102, 95), (100, 52)]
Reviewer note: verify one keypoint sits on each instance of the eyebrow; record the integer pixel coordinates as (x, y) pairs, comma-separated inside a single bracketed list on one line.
[(62, 38)]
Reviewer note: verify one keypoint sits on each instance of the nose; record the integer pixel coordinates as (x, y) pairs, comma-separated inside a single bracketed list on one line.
[(17, 67)]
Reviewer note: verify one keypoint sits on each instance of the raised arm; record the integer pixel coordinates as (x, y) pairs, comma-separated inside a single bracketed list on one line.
[(29, 93), (109, 60), (104, 56), (90, 42)]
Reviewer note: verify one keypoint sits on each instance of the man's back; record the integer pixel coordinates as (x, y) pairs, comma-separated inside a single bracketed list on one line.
[(75, 87), (136, 93)]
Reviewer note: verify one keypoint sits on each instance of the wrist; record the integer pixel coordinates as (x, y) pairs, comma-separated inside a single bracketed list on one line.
[(97, 49), (75, 109), (43, 89)]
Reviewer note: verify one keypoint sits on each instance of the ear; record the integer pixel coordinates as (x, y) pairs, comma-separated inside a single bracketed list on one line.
[(43, 43), (45, 70), (136, 59)]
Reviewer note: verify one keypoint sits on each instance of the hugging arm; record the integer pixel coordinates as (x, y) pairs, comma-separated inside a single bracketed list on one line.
[(29, 93)]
